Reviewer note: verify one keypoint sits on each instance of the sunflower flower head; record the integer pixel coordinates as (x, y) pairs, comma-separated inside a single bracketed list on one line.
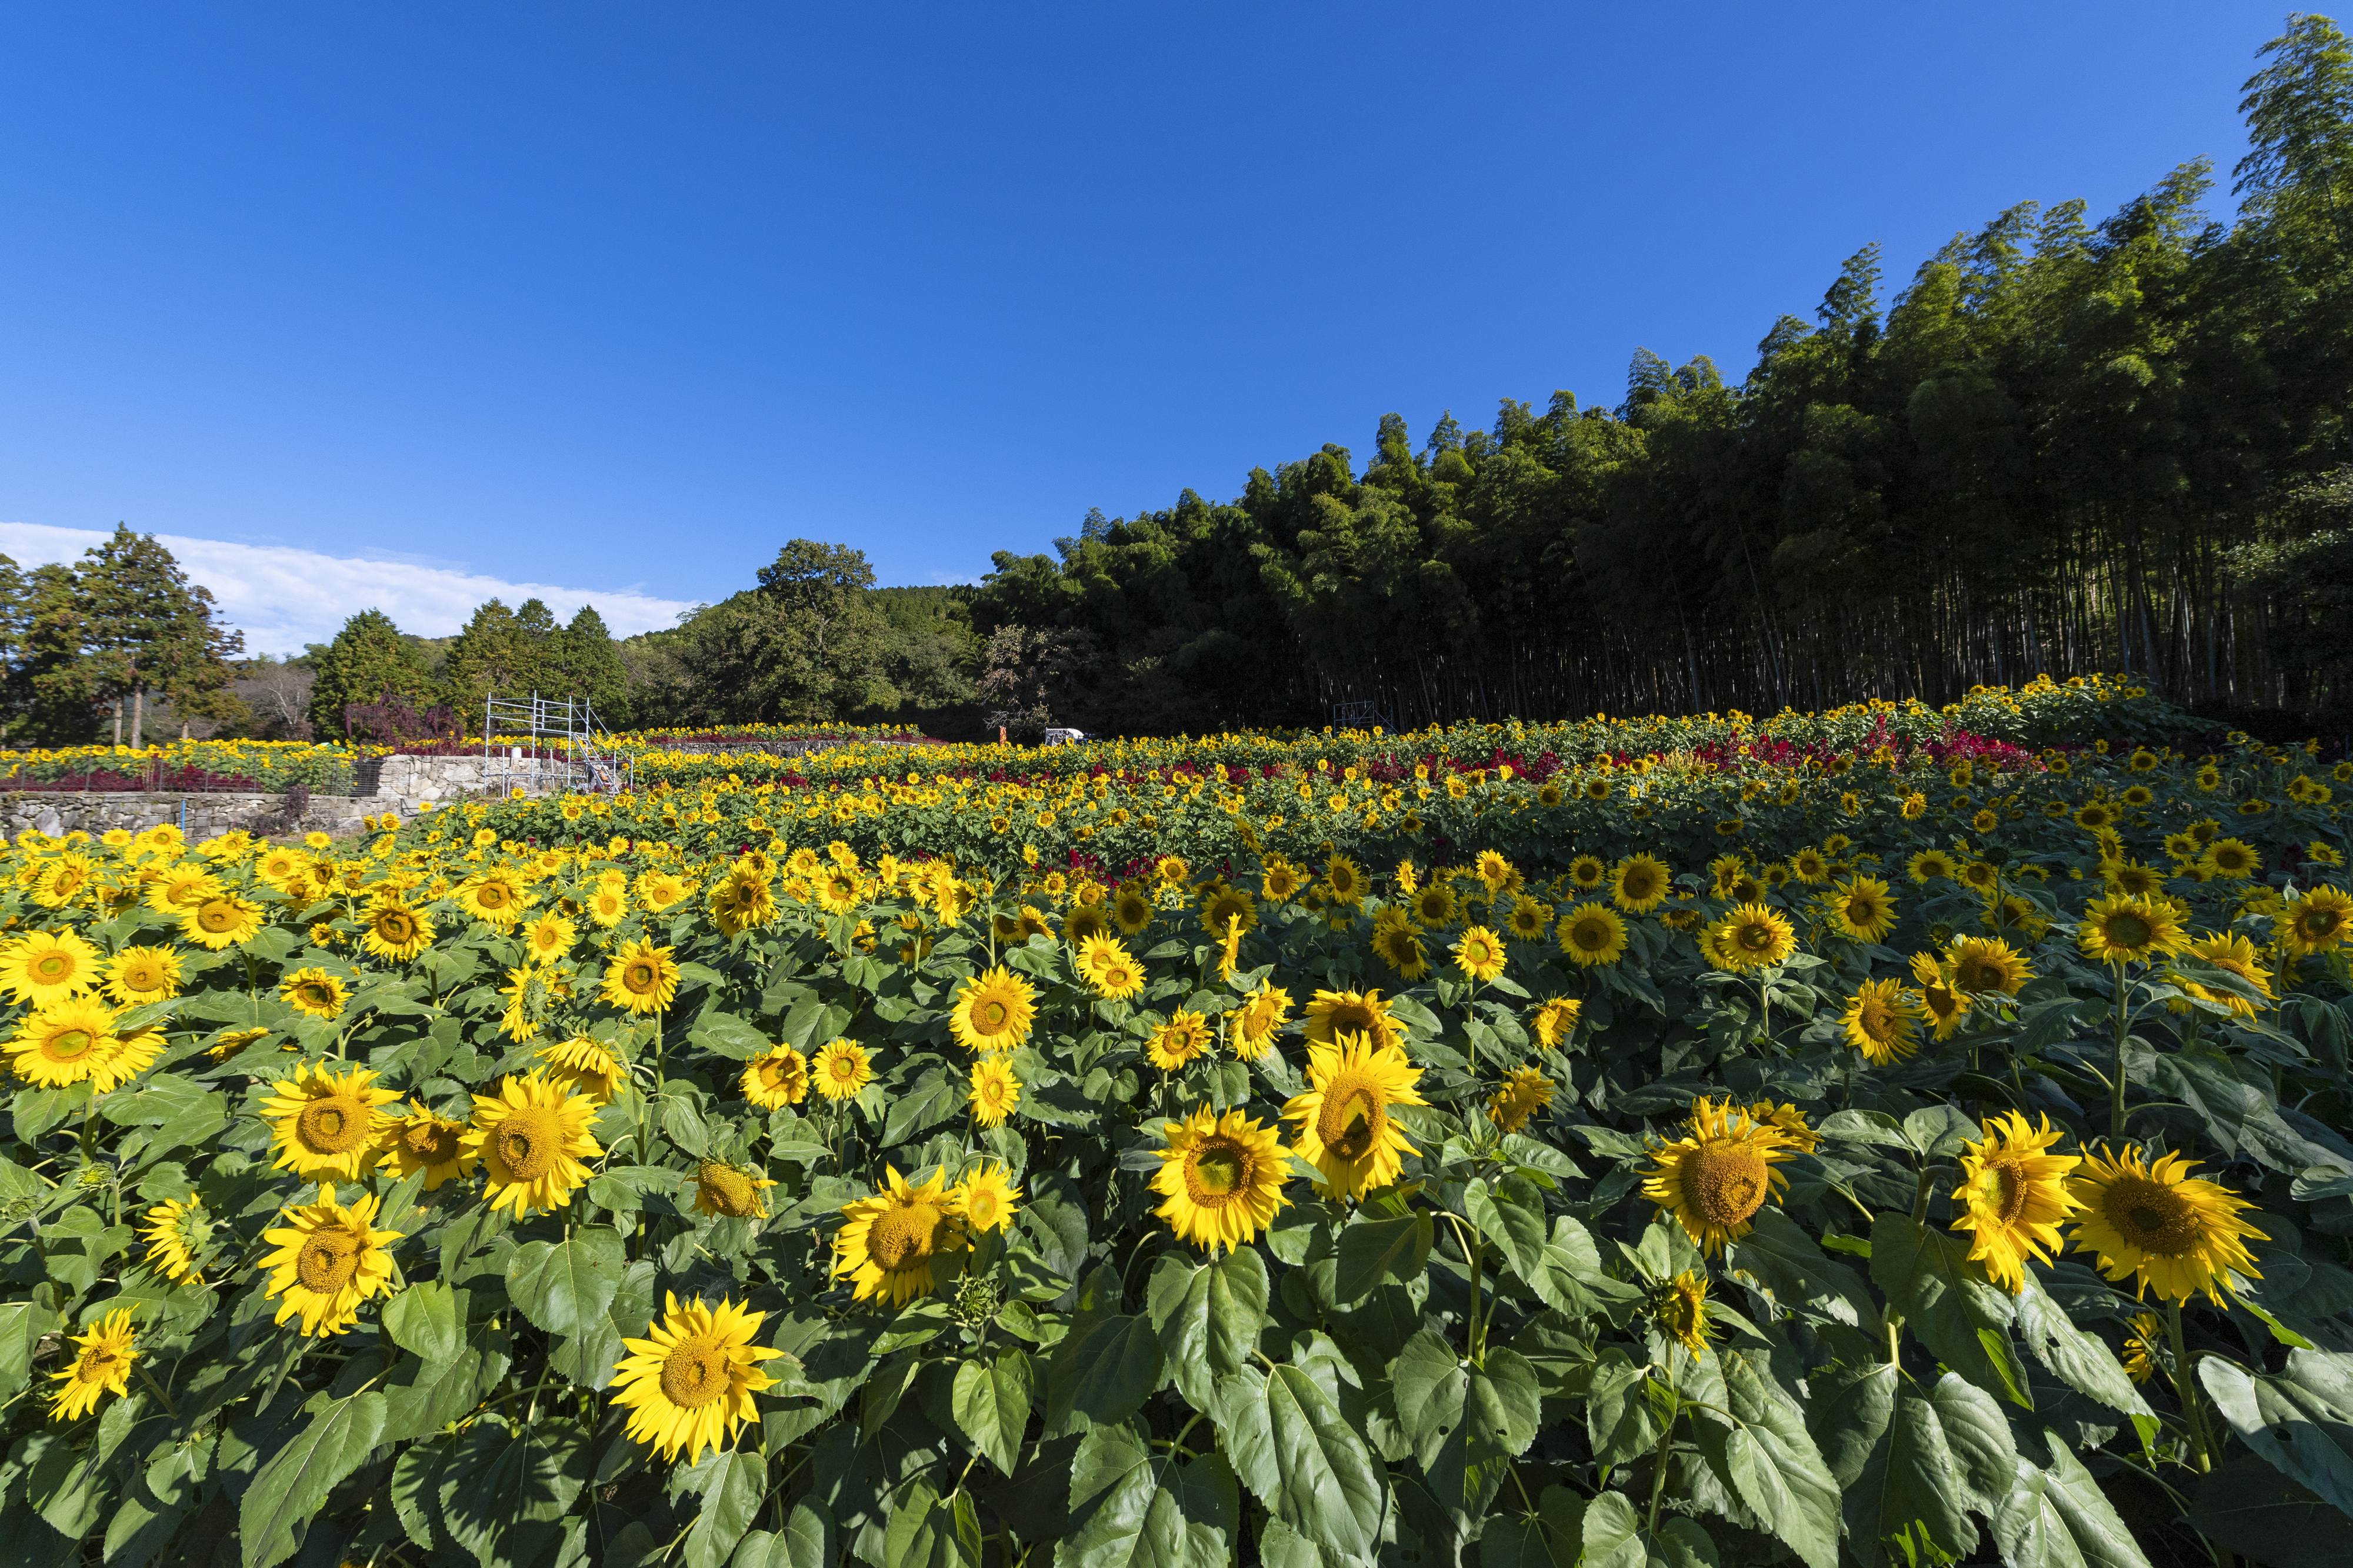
[(2013, 1195), (688, 1384), (1220, 1178), (1716, 1178), (2158, 1225)]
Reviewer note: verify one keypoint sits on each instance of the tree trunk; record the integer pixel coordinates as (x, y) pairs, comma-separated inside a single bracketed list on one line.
[(138, 715)]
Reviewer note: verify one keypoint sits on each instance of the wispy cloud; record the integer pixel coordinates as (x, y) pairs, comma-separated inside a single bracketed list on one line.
[(281, 598)]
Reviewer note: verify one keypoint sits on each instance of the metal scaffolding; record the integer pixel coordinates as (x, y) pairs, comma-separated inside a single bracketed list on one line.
[(537, 745)]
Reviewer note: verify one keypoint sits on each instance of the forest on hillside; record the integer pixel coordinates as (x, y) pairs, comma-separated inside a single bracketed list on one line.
[(2061, 446)]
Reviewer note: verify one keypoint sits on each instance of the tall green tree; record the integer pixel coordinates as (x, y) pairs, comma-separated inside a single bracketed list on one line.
[(588, 662), (369, 661), (147, 630)]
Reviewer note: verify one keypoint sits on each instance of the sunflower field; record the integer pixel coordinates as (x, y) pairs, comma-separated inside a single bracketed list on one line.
[(1871, 1148)]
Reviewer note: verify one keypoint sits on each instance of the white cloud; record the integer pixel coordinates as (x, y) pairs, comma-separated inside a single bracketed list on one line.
[(281, 598)]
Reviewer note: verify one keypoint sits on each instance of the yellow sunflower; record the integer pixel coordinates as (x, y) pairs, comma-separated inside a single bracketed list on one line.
[(177, 1233), (314, 992), (842, 1070), (1640, 882), (2316, 921), (731, 1190), (1434, 906), (903, 1242), (220, 922), (1715, 1180), (494, 897), (1106, 964), (330, 1260), (532, 1137), (1221, 904), (1592, 934), (178, 888), (1331, 1013), (1131, 909), (780, 1078), (1398, 947), (101, 1365), (641, 978), (67, 1043), (1753, 936), (49, 966), (1522, 1094), (324, 1123), (2126, 930), (1985, 965), (1528, 920), (1251, 1027), (993, 1010), (397, 933), (987, 1198), (1480, 953), (1681, 1306), (2014, 1195), (2145, 1345), (1931, 864), (606, 906), (1220, 1178), (142, 975), (688, 1384), (1879, 1024), (421, 1141), (1861, 910), (2235, 956), (2161, 1226), (1178, 1041), (1345, 1130), (995, 1091), (548, 938)]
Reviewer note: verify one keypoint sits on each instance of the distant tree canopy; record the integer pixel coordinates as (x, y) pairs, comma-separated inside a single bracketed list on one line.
[(115, 642)]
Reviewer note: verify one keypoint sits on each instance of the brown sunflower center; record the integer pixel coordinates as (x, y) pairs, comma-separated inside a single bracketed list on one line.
[(395, 929), (2005, 1187), (2128, 930), (217, 917), (329, 1259), (1878, 1020), (315, 994), (989, 1015), (639, 977), (1354, 1117), (334, 1125), (2316, 925), (729, 1190), (904, 1235), (1753, 936), (695, 1372), (2153, 1217), (1728, 1183), (492, 896), (1215, 1171), (529, 1141)]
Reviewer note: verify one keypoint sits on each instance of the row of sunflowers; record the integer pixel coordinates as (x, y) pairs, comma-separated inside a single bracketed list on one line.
[(1903, 1174)]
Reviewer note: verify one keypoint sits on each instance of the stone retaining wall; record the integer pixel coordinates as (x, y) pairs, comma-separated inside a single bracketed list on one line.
[(408, 786)]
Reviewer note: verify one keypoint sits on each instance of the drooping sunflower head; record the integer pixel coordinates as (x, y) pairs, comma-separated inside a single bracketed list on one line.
[(1679, 1304), (1593, 934), (1480, 955), (2235, 955), (101, 1365), (996, 1092), (2161, 1225), (1346, 1129), (688, 1384), (727, 1189), (988, 1198), (1879, 1024), (1942, 1002), (1555, 1020), (2126, 930), (2013, 1194), (1183, 1037), (777, 1078), (1715, 1179), (1252, 1026), (841, 1070), (1522, 1094), (588, 1065), (903, 1242), (178, 1234), (532, 1137), (1220, 1178), (1332, 1014), (324, 1123), (994, 1011)]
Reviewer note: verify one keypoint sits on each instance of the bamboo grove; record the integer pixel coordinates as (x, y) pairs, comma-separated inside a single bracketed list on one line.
[(2066, 444)]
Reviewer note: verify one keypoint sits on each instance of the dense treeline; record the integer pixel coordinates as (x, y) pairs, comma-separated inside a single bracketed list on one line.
[(2064, 446)]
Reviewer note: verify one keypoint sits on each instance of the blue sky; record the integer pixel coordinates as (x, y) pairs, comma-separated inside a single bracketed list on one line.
[(622, 297)]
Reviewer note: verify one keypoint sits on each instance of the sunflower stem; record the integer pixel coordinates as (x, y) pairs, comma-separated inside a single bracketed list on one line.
[(2117, 1088), (2185, 1388), (148, 1379), (1659, 1465)]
